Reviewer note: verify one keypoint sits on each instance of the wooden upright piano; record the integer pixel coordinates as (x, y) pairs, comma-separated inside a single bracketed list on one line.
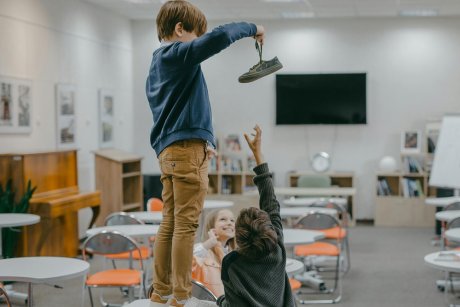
[(56, 200)]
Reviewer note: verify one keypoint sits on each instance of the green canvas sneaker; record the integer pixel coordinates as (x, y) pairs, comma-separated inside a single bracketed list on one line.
[(261, 69)]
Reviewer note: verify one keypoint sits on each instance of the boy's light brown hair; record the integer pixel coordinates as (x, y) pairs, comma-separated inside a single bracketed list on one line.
[(254, 233), (175, 11)]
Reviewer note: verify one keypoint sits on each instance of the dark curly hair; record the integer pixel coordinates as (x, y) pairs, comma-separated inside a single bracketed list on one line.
[(173, 12), (254, 233)]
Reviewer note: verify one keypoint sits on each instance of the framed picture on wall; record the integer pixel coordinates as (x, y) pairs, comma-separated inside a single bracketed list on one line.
[(15, 105), (106, 118), (411, 142), (65, 116)]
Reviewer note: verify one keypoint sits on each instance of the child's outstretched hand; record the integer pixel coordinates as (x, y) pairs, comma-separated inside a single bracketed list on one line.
[(255, 144), (212, 241)]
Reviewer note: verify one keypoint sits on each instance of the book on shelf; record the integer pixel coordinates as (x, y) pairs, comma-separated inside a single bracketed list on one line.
[(232, 143), (383, 188), (213, 165), (227, 185), (412, 165), (231, 164), (412, 187), (251, 162)]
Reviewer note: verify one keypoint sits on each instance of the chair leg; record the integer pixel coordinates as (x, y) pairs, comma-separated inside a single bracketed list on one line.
[(90, 297)]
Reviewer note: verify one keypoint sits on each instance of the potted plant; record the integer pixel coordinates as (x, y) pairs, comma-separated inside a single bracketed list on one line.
[(8, 204)]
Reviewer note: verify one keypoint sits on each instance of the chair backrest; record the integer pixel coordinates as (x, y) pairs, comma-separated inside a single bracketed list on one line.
[(198, 290), (4, 296), (154, 204), (455, 223), (110, 242), (317, 221), (342, 212), (121, 218), (314, 181), (85, 215), (201, 292), (452, 206)]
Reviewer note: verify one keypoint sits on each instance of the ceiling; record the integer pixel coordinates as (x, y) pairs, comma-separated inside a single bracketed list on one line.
[(286, 9)]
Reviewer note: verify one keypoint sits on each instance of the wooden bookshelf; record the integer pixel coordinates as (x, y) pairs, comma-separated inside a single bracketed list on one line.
[(119, 178), (397, 207)]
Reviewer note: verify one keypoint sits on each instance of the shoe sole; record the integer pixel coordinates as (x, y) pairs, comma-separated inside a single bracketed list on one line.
[(257, 75)]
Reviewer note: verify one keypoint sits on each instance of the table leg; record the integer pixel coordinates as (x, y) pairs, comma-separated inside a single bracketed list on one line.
[(29, 293)]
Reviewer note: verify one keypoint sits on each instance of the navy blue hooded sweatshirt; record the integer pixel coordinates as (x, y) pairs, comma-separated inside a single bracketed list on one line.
[(176, 88)]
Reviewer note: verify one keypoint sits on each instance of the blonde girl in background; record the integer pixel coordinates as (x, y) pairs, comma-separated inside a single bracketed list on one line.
[(217, 241)]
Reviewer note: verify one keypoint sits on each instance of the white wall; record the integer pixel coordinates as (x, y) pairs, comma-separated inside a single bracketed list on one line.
[(413, 73), (71, 42)]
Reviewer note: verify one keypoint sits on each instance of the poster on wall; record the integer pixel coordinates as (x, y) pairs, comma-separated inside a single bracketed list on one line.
[(66, 116), (15, 105), (106, 118)]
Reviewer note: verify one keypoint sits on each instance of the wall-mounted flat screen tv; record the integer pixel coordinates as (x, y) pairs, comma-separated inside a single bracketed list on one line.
[(335, 99)]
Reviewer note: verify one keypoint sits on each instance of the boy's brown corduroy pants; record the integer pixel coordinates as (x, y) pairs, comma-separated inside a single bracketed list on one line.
[(184, 168)]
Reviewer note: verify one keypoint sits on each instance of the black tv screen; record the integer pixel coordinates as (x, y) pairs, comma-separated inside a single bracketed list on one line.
[(321, 99)]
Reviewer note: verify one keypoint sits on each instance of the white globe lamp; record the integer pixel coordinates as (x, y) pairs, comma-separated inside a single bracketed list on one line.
[(388, 164)]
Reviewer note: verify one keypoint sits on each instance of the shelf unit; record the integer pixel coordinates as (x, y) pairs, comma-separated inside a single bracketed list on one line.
[(338, 179), (119, 178), (229, 174), (396, 209)]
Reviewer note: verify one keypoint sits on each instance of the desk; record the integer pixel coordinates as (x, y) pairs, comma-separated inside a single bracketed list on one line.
[(42, 270), (133, 231), (16, 219), (301, 236)]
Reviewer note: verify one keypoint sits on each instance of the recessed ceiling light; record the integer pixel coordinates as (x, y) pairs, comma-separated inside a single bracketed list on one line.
[(419, 13), (297, 15)]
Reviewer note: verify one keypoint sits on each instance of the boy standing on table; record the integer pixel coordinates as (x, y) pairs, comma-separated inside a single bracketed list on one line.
[(182, 136), (255, 273)]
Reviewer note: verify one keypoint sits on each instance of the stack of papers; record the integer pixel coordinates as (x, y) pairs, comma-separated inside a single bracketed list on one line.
[(448, 256)]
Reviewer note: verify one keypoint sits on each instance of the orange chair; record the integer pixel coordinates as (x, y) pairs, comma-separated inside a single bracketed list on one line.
[(109, 243), (4, 296), (154, 204), (321, 222), (338, 233)]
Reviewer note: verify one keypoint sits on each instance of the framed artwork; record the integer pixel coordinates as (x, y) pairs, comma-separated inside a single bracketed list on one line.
[(15, 105), (65, 116), (411, 142), (106, 118)]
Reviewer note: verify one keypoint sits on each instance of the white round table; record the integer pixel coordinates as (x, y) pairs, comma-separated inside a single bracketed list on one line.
[(134, 231), (307, 201), (16, 219), (448, 265), (294, 266), (42, 270), (301, 236), (297, 212), (447, 216), (441, 201), (154, 217), (217, 204)]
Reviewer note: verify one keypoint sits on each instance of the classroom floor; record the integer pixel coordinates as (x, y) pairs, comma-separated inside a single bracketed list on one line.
[(387, 271)]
